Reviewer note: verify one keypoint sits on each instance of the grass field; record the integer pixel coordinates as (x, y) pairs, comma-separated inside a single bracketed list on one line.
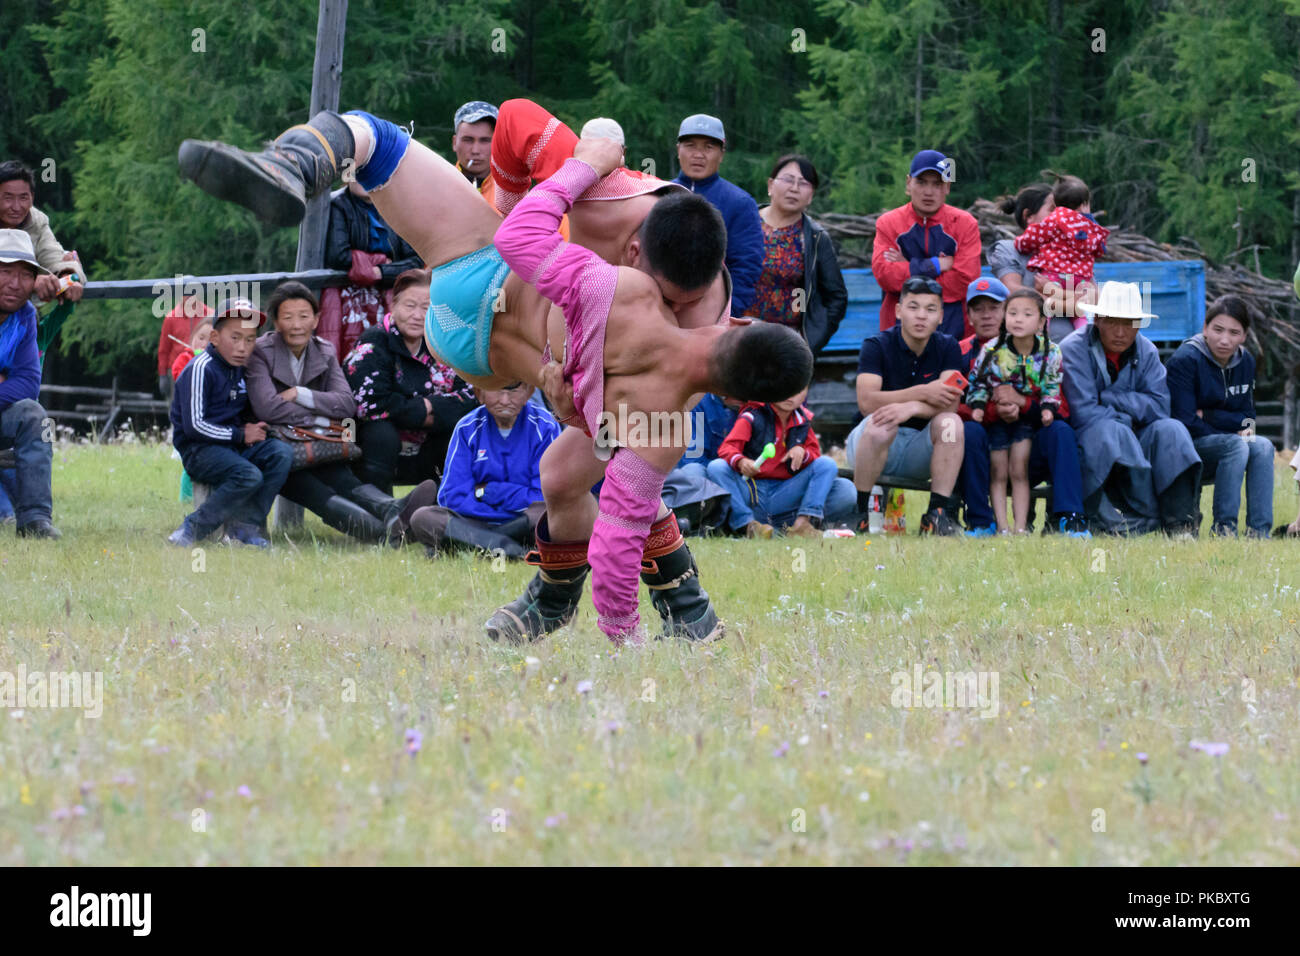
[(256, 706)]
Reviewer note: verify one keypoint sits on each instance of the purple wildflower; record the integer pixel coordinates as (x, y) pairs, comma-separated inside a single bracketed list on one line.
[(782, 750), (1209, 748), (584, 687), (557, 819), (414, 740), (1142, 757), (243, 791)]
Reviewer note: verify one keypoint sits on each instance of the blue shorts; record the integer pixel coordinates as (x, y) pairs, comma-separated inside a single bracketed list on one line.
[(462, 293), (1002, 435)]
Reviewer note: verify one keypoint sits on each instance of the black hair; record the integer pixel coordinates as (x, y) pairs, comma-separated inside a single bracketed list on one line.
[(1070, 192), (285, 291), (761, 362), (409, 278), (806, 168), (1025, 203), (684, 240), (1041, 340), (11, 169), (921, 285), (1234, 307)]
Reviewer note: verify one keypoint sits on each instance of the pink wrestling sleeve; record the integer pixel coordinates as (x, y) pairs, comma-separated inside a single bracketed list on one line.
[(629, 502)]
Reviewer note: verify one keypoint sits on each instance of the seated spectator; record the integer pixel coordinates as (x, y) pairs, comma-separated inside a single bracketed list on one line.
[(199, 342), (1054, 453), (491, 491), (408, 402), (795, 488), (1140, 468), (471, 140), (294, 378), (927, 238), (1212, 392), (17, 193), (701, 144), (801, 285), (697, 501), (177, 339), (242, 465), (361, 244), (911, 426), (1065, 246), (22, 419), (1023, 358)]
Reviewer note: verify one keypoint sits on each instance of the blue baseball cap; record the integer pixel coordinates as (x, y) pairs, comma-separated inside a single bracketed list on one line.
[(931, 159), (987, 287), (702, 124)]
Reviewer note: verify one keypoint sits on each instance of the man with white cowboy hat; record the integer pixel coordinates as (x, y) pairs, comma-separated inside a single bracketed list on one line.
[(1141, 471), (21, 416)]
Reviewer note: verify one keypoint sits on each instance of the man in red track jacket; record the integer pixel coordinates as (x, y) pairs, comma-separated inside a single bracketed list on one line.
[(927, 237)]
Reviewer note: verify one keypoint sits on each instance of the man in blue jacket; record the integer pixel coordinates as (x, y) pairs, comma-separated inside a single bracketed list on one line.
[(701, 141), (491, 492), (244, 467), (1212, 392), (23, 424)]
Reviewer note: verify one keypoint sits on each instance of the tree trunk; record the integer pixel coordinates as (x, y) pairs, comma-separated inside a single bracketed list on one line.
[(920, 63), (1054, 21)]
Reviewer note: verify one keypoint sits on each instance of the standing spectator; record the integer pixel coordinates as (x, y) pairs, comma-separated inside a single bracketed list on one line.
[(294, 378), (17, 193), (177, 338), (797, 487), (1140, 468), (22, 419), (359, 243), (1065, 247), (911, 426), (926, 237), (801, 285), (1212, 392), (701, 142), (491, 491), (1030, 206), (471, 141), (1054, 452), (244, 467), (408, 402)]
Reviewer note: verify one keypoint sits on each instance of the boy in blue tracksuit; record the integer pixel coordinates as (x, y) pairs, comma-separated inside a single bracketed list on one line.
[(244, 467), (491, 491), (1211, 381)]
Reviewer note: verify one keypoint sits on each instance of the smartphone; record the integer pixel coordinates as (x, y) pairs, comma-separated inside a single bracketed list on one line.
[(955, 379)]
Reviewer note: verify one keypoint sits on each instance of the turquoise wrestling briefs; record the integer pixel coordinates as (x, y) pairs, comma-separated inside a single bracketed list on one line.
[(458, 324)]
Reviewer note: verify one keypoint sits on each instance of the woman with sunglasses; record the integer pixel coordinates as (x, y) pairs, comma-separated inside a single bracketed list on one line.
[(801, 285)]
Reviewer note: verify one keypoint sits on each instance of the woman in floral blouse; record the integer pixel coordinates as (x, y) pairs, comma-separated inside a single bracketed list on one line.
[(408, 402), (801, 285)]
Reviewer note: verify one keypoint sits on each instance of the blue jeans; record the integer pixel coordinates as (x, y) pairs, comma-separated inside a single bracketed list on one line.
[(765, 499), (8, 490), (1230, 458), (1053, 455), (20, 429), (244, 482)]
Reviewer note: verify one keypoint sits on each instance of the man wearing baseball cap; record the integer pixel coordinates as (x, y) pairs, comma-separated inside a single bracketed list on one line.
[(243, 466), (21, 415), (701, 141), (927, 237), (471, 141)]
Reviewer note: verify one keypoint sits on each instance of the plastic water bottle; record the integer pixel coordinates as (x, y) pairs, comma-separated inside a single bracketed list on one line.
[(876, 510)]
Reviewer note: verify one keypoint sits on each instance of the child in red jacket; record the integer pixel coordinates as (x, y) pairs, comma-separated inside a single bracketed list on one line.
[(1065, 247), (790, 487)]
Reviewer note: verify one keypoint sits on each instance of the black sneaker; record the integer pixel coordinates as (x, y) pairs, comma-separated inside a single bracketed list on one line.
[(938, 521), (40, 528)]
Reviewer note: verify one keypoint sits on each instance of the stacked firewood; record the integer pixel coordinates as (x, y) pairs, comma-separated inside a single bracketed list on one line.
[(1272, 299)]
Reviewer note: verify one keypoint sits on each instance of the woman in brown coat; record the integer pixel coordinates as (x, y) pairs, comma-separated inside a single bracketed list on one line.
[(294, 378)]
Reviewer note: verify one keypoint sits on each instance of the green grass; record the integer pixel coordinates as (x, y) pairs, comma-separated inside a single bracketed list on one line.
[(238, 675)]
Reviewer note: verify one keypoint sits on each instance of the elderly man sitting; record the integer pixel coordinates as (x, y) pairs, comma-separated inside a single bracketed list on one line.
[(21, 415), (1140, 468)]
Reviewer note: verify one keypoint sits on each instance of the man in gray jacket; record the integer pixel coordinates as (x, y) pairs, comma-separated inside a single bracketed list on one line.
[(17, 193)]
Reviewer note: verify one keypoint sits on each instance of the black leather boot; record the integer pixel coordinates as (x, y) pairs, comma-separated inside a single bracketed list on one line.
[(551, 599), (275, 183), (352, 519), (670, 572)]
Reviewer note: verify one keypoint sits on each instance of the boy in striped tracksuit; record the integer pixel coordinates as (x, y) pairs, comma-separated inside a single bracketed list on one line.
[(244, 467)]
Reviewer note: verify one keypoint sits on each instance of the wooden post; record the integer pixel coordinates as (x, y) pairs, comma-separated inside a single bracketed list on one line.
[(326, 80)]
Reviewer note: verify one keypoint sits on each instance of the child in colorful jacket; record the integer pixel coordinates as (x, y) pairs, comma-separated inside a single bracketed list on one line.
[(1023, 357)]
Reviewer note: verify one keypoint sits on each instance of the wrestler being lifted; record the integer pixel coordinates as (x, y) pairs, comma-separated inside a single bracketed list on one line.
[(623, 351)]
